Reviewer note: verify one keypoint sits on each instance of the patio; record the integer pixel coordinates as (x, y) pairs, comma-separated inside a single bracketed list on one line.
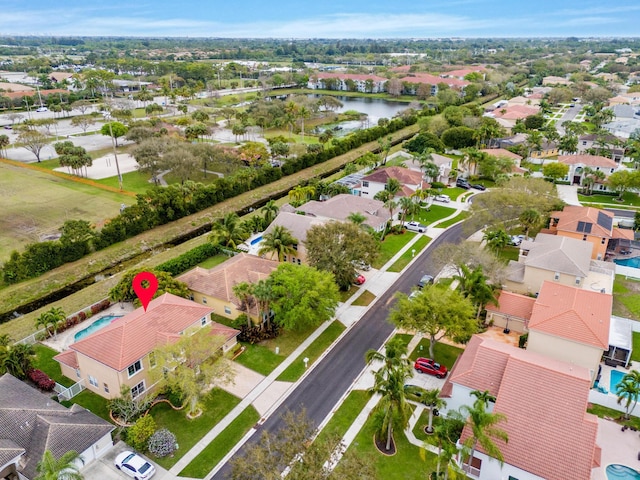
[(618, 447)]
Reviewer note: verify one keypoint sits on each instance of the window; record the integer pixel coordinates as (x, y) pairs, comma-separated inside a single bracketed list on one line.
[(93, 380), (191, 297), (106, 387), (512, 478), (365, 184), (556, 276), (152, 359), (227, 310), (584, 238), (137, 390), (578, 280), (134, 368), (203, 321), (78, 373), (204, 300), (603, 241), (285, 258)]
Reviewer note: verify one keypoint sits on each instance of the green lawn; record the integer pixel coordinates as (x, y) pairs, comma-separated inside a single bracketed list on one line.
[(630, 198), (406, 257), (453, 192), (447, 223), (137, 182), (409, 463), (347, 294), (92, 402), (602, 412), (433, 214), (287, 341), (443, 353), (294, 371), (188, 432), (44, 361), (390, 246), (346, 413), (509, 253), (626, 298), (221, 445), (259, 359), (213, 261), (364, 299), (635, 354)]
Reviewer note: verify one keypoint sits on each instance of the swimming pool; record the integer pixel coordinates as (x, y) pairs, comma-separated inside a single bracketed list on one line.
[(621, 472), (256, 240), (628, 262), (616, 378), (95, 326)]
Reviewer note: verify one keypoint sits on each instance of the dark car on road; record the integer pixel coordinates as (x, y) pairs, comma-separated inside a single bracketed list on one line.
[(426, 365), (462, 183), (425, 280), (478, 186)]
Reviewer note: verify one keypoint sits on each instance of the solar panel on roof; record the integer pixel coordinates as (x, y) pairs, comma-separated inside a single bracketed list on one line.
[(605, 221), (584, 227)]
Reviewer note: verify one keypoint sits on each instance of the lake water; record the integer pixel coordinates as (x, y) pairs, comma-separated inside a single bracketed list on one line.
[(375, 108)]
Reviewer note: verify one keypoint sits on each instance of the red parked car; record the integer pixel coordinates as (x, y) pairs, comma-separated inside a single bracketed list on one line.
[(359, 279), (426, 365)]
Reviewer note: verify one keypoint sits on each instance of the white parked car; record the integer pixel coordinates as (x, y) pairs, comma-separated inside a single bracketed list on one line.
[(516, 240), (415, 226), (442, 198), (134, 465), (42, 109)]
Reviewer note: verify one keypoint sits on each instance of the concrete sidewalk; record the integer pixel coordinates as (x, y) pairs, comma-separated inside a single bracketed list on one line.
[(269, 394)]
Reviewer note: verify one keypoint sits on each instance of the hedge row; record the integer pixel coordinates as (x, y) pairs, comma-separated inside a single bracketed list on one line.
[(189, 259)]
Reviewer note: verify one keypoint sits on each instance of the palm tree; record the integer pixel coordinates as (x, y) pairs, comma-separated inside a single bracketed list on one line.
[(496, 239), (529, 219), (484, 430), (407, 206), (17, 359), (389, 383), (228, 232), (64, 468), (628, 390), (270, 211), (429, 398), (263, 293), (51, 320), (357, 218), (279, 241), (474, 285), (446, 433), (244, 292)]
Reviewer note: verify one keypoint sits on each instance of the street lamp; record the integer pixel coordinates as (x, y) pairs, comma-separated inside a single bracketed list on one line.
[(113, 140)]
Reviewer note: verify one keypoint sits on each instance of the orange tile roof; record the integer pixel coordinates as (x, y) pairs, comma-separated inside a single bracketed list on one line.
[(218, 281), (545, 402), (133, 336), (513, 304), (571, 216), (577, 314), (69, 358), (403, 175), (623, 233), (589, 160), (515, 112), (429, 79), (350, 76)]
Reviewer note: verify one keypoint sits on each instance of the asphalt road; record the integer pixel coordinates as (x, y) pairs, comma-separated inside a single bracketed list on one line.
[(332, 377), (622, 213)]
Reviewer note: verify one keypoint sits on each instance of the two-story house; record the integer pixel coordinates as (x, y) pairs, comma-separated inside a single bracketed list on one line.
[(589, 225), (410, 181), (550, 437), (559, 259), (122, 352), (578, 163)]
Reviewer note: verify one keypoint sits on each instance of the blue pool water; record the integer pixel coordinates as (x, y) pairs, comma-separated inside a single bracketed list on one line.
[(621, 472), (256, 240), (616, 378), (95, 326), (628, 262)]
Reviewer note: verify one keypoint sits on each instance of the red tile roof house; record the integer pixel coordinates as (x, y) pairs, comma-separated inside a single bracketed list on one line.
[(416, 79), (214, 287), (551, 436), (504, 153), (410, 181), (31, 423), (571, 324), (577, 164), (513, 311), (121, 353)]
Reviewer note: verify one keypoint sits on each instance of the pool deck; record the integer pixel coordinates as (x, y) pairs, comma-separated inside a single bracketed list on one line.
[(62, 341), (618, 447)]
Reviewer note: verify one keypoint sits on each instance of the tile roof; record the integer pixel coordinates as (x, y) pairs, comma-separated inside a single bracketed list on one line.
[(513, 304), (588, 160), (577, 219), (296, 224), (350, 76), (403, 175), (133, 336), (502, 152), (545, 402), (429, 79), (35, 422), (514, 112), (559, 254), (218, 281), (339, 207), (623, 233), (574, 313)]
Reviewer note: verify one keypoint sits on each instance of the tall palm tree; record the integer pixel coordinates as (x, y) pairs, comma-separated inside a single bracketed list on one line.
[(407, 207), (64, 468), (484, 430), (263, 293), (628, 390), (51, 319), (244, 292), (17, 359), (278, 241), (530, 219), (228, 231), (389, 382), (446, 433), (357, 218), (475, 285), (429, 398), (270, 211)]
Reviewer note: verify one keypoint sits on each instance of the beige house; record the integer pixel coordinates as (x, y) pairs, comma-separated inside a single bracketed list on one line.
[(122, 352), (214, 287), (410, 181), (571, 324), (512, 312), (551, 435), (298, 226), (559, 259)]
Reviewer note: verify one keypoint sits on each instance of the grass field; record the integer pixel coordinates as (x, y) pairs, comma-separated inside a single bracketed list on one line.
[(390, 246), (626, 297), (34, 204), (406, 257)]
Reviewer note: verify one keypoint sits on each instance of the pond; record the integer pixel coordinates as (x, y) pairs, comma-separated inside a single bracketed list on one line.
[(374, 108)]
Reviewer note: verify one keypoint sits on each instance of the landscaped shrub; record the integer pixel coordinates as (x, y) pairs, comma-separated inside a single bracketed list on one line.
[(100, 306), (82, 316), (189, 259), (41, 380), (258, 333), (162, 443), (139, 433)]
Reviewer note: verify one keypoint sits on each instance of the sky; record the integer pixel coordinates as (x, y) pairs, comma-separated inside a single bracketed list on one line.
[(321, 18)]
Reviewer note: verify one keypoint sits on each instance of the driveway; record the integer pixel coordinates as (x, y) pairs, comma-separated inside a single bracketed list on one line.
[(104, 468), (568, 194)]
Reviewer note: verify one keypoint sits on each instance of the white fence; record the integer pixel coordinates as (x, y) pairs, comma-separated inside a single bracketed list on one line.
[(65, 393), (629, 272)]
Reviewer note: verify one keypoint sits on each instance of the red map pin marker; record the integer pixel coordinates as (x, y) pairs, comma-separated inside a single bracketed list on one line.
[(145, 294)]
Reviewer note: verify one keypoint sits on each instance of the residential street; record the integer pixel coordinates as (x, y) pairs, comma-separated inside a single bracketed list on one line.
[(331, 378)]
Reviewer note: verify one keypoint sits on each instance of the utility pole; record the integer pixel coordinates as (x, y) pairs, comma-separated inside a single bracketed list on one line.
[(113, 139)]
